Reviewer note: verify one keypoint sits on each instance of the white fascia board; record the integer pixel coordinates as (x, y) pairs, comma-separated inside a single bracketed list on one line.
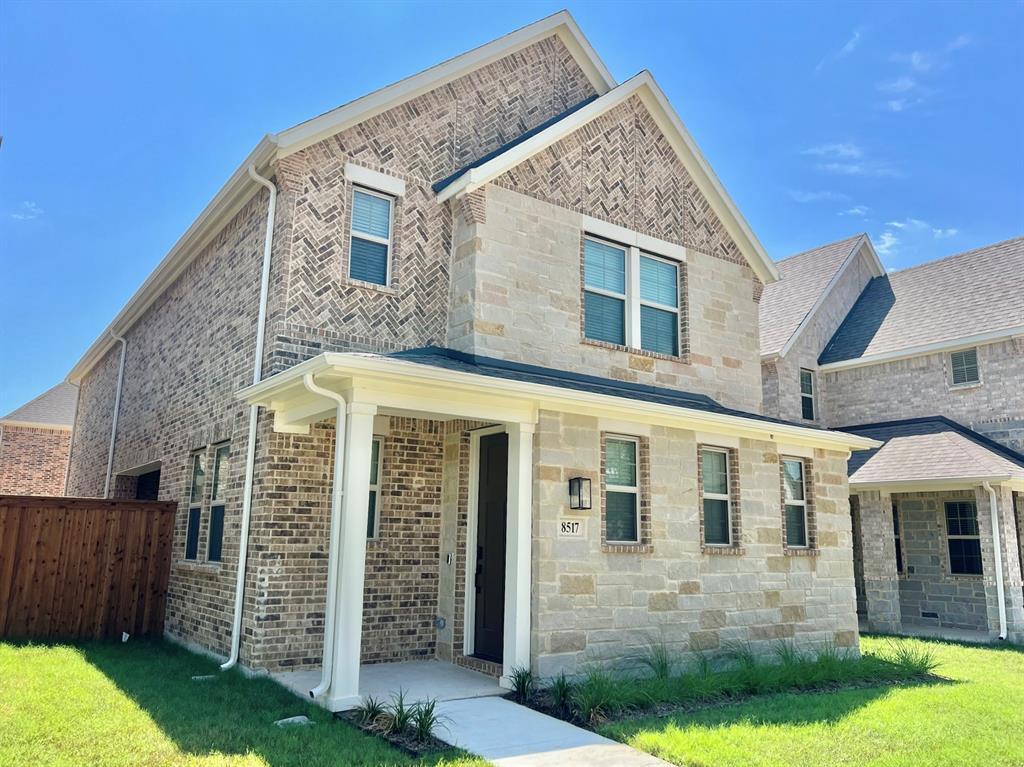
[(912, 485), (310, 132), (353, 367), (674, 131), (823, 296), (950, 345), (235, 193)]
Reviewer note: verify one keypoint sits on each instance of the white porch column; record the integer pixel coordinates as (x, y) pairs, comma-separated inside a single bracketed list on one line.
[(344, 690), (518, 549)]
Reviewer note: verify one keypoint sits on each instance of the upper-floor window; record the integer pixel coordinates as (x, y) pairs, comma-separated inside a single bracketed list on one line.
[(195, 504), (215, 539), (631, 298), (807, 394), (964, 365), (370, 251), (963, 538)]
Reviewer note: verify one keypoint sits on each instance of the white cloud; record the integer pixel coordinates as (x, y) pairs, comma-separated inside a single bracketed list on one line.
[(823, 196), (961, 41), (840, 150), (27, 211), (848, 47), (887, 243), (867, 169), (912, 235), (857, 210), (899, 85), (942, 234)]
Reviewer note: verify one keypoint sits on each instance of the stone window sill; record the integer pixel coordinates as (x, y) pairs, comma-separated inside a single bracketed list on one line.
[(683, 358), (722, 550), (800, 552), (626, 548), (187, 565), (372, 286), (966, 386)]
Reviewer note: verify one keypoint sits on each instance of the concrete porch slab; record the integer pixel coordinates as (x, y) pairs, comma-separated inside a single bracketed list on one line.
[(419, 679), (942, 632)]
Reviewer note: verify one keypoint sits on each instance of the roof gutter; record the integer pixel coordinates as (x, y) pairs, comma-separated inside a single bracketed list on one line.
[(997, 545), (250, 456), (949, 345)]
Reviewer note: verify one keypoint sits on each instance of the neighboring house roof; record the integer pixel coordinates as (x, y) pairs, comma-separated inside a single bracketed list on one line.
[(643, 85), (805, 281), (963, 299), (933, 449), (240, 187), (53, 409), (455, 379)]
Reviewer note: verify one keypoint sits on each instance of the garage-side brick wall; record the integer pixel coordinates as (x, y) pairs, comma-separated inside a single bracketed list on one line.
[(596, 606), (33, 461)]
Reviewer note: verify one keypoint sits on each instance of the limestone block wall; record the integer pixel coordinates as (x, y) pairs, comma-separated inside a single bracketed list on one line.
[(877, 548), (517, 295), (921, 386), (593, 606), (33, 461)]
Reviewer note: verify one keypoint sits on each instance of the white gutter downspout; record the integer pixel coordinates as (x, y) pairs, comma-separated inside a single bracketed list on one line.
[(334, 542), (997, 543), (117, 407), (250, 456)]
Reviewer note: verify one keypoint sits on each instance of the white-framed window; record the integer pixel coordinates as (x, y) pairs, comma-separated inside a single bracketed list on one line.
[(376, 457), (964, 367), (370, 244), (197, 488), (807, 394), (221, 472), (717, 501), (631, 297), (795, 502), (963, 538), (622, 489)]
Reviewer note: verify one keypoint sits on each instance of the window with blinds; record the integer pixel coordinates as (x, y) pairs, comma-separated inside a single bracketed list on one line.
[(631, 298), (370, 249)]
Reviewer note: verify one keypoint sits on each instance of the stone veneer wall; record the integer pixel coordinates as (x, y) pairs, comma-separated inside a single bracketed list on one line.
[(920, 386), (33, 461), (596, 606), (517, 295)]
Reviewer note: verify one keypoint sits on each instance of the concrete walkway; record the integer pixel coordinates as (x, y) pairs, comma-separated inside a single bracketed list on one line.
[(510, 735)]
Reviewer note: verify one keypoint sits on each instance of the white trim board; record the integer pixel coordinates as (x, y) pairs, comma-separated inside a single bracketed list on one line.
[(950, 345), (644, 86)]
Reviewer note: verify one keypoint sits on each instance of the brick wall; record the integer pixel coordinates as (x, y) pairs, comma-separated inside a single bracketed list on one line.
[(606, 606), (33, 461)]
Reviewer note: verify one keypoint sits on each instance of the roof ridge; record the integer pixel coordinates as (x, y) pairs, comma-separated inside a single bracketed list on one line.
[(841, 240), (951, 256)]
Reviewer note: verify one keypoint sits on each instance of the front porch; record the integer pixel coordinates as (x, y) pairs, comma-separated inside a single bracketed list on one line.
[(418, 680)]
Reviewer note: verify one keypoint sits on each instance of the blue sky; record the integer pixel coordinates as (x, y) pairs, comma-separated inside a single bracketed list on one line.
[(120, 122)]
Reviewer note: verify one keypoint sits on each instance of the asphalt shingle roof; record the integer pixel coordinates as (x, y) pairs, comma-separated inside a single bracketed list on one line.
[(449, 359), (959, 296), (922, 449), (802, 279), (55, 407)]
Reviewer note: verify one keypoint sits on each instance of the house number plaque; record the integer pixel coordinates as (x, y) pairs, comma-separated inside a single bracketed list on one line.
[(570, 528)]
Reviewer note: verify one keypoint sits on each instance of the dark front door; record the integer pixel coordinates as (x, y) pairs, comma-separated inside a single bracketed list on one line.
[(490, 547), (147, 486)]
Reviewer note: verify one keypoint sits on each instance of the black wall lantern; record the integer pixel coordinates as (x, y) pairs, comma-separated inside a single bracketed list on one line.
[(579, 493)]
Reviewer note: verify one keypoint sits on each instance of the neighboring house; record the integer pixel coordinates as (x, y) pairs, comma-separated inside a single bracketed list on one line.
[(929, 360), (35, 441), (522, 296)]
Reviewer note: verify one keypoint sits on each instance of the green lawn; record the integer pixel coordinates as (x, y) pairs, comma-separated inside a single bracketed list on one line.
[(975, 717), (108, 705)]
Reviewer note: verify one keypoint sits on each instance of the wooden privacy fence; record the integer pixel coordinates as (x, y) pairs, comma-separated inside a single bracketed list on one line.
[(83, 567)]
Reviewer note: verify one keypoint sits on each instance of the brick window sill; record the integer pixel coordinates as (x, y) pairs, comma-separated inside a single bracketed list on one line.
[(626, 548), (683, 358), (722, 550), (805, 552)]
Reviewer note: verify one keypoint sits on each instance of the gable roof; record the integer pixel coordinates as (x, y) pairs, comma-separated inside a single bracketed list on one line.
[(643, 85), (54, 409), (805, 282), (240, 187), (963, 299), (934, 449)]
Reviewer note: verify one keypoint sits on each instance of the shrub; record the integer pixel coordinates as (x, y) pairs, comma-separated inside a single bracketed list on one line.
[(425, 720), (399, 715), (658, 660), (599, 696), (524, 684), (369, 711), (911, 660), (561, 691)]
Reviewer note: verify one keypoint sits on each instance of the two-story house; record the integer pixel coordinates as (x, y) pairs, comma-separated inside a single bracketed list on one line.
[(468, 370), (930, 361)]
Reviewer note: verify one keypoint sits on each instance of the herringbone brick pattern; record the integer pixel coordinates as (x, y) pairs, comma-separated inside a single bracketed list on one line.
[(621, 168)]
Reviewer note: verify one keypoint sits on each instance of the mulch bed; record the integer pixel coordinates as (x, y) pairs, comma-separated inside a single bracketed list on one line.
[(412, 746)]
